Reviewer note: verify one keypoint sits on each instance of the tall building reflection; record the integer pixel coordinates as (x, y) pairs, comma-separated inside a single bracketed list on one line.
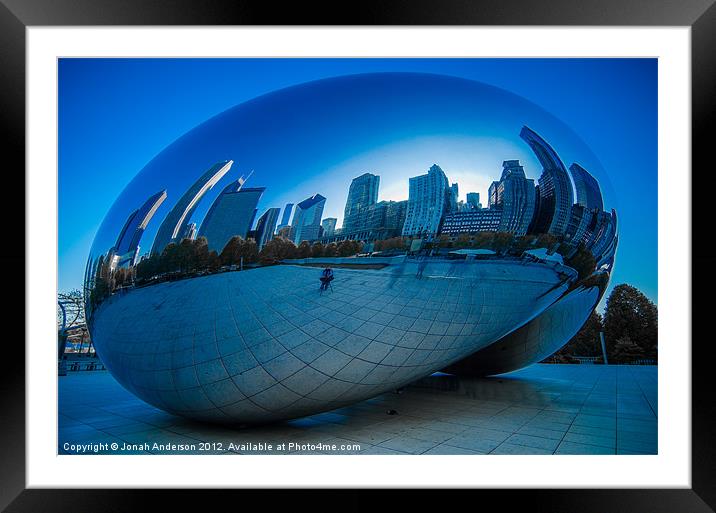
[(286, 217), (307, 219), (589, 195), (515, 198), (428, 200), (232, 213), (579, 222), (175, 222), (266, 226), (328, 226), (362, 194), (473, 200), (554, 206), (127, 245)]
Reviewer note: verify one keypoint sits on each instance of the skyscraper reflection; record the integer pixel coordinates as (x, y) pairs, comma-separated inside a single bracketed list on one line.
[(232, 213), (176, 220)]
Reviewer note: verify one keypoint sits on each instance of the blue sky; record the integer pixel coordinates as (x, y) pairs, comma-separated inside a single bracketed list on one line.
[(115, 115)]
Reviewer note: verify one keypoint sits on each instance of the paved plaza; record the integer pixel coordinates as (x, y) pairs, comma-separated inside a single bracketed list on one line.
[(543, 409)]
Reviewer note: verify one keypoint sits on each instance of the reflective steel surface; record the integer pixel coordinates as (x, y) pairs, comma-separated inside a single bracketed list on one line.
[(536, 340), (182, 322)]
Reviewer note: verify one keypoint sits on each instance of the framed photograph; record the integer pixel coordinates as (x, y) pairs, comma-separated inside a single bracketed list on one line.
[(410, 249)]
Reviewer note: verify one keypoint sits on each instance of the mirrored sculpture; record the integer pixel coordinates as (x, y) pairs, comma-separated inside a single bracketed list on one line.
[(202, 303)]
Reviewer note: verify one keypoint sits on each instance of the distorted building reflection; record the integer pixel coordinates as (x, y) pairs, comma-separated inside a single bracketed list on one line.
[(127, 246), (232, 213), (589, 195), (515, 198), (555, 197), (362, 193), (175, 223), (427, 202), (266, 226), (306, 223)]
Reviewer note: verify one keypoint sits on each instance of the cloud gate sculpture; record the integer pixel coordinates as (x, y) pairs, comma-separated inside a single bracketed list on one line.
[(205, 288)]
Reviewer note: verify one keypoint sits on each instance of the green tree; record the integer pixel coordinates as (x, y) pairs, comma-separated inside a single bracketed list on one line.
[(200, 254), (343, 248), (566, 250), (249, 251), (348, 248), (629, 314), (582, 261), (523, 243), (213, 261), (185, 255), (545, 240), (170, 259), (330, 250), (102, 284), (122, 277), (626, 351), (483, 240), (502, 241), (586, 342), (304, 249), (317, 250), (463, 241), (444, 241), (237, 249), (399, 243), (277, 249), (148, 267), (394, 243), (231, 254)]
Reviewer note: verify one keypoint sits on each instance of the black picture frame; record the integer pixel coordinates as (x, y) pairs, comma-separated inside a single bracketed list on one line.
[(700, 15)]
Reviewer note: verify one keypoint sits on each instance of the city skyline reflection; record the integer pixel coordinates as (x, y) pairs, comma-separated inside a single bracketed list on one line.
[(292, 166)]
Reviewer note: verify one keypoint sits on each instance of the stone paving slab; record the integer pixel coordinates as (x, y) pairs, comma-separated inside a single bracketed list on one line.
[(543, 409)]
